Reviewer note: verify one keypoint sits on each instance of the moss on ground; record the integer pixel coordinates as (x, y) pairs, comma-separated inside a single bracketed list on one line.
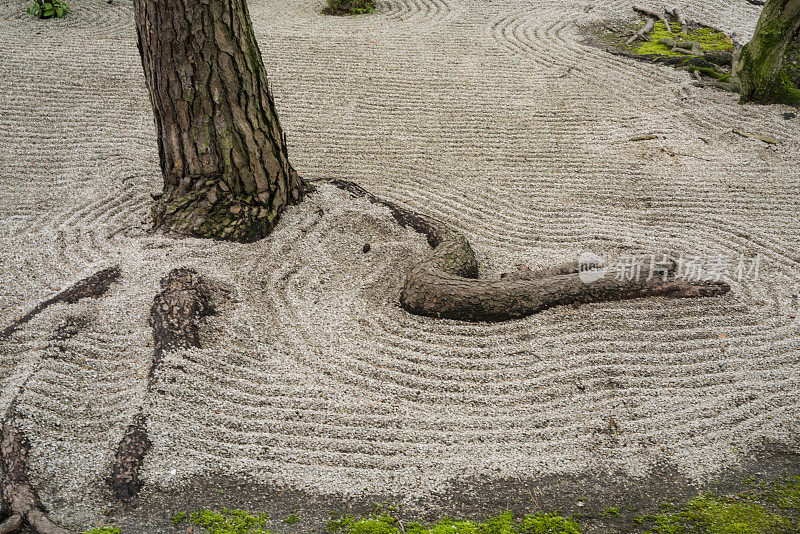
[(707, 38), (349, 7), (752, 508), (506, 523), (226, 521), (709, 514)]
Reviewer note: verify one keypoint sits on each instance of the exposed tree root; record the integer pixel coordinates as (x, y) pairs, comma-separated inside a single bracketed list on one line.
[(94, 286), (649, 13), (124, 480), (445, 284), (20, 501), (19, 497), (644, 30), (174, 317), (680, 18)]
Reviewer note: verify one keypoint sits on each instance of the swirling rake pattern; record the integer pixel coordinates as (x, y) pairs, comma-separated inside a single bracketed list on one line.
[(493, 117)]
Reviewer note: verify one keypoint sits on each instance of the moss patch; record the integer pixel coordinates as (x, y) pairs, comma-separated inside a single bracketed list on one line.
[(226, 521), (506, 523), (349, 7), (707, 38), (103, 530), (714, 515)]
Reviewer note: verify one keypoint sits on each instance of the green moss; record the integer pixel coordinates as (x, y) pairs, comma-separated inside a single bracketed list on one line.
[(548, 524), (230, 522), (786, 495), (612, 511), (291, 519), (349, 7), (103, 530), (714, 515), (506, 523), (708, 39)]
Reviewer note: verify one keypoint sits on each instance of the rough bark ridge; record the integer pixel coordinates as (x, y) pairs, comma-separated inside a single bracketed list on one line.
[(445, 284), (93, 286), (223, 153), (174, 317), (760, 68)]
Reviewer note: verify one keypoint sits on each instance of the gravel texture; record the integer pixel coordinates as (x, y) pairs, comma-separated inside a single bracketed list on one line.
[(488, 114)]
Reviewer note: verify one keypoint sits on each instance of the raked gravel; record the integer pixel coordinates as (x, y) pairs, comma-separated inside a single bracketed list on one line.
[(488, 114)]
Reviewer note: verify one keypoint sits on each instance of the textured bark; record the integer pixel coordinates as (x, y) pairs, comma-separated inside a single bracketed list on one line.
[(124, 480), (445, 284), (223, 154), (174, 317), (93, 286), (19, 497), (760, 68)]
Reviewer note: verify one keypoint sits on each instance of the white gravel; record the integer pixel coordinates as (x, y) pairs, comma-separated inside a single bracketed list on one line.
[(488, 114)]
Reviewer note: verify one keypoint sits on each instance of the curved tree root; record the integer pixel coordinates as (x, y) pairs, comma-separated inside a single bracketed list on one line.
[(19, 497), (445, 283), (174, 317)]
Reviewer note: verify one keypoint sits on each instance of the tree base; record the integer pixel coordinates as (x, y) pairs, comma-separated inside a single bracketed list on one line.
[(445, 284), (779, 90), (213, 211)]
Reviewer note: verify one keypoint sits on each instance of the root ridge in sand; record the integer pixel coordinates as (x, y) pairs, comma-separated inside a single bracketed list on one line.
[(445, 283), (19, 499), (174, 316), (94, 286)]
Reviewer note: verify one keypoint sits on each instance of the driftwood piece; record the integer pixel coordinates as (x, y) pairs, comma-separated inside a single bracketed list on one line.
[(174, 318), (444, 284), (764, 138)]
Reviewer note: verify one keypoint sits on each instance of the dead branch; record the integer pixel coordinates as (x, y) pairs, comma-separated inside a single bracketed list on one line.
[(648, 13), (680, 18)]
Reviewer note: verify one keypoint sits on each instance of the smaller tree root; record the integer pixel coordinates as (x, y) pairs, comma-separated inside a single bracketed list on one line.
[(649, 13), (444, 284), (12, 524), (678, 14), (644, 30), (18, 495), (94, 286), (174, 317)]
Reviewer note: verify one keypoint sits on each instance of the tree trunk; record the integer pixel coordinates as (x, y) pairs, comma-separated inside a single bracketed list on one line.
[(760, 68), (223, 154)]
